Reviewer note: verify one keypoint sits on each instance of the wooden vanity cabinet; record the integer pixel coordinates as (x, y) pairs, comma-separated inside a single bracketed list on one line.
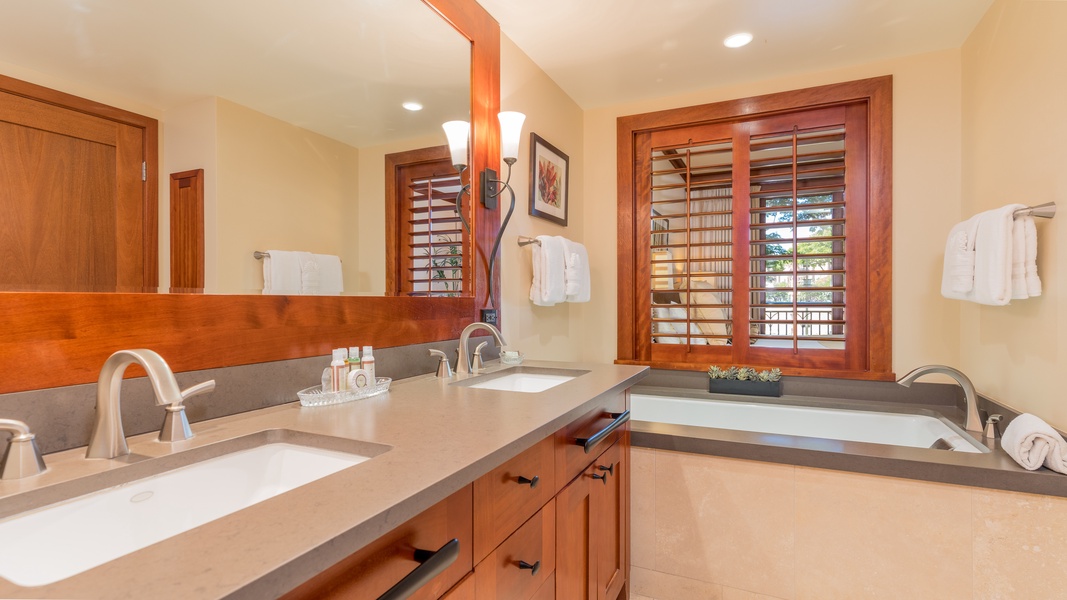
[(376, 568), (551, 522)]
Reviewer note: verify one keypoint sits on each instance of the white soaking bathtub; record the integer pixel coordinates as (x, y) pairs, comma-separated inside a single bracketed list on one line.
[(895, 429)]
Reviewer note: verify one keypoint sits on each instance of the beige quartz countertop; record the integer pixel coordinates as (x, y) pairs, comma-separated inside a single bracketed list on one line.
[(441, 436)]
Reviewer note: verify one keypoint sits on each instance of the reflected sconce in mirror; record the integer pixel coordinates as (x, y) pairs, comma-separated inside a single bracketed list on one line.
[(458, 133)]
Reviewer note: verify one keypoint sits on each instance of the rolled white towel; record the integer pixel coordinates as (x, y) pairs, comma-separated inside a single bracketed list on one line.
[(1033, 442)]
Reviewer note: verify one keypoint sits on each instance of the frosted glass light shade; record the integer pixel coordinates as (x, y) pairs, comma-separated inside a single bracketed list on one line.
[(510, 130), (457, 133)]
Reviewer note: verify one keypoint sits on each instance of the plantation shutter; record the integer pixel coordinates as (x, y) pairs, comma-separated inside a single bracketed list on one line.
[(753, 240), (435, 237)]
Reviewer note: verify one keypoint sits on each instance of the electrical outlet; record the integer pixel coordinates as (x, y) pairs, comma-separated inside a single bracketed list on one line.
[(489, 316)]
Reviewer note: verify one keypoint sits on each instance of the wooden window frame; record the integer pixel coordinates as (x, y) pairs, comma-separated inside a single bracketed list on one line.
[(876, 95)]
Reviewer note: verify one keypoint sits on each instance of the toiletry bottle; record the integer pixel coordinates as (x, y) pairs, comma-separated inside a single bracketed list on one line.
[(353, 358), (367, 364), (337, 371)]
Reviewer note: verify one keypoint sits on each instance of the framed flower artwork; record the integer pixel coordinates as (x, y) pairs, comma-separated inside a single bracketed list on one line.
[(548, 181)]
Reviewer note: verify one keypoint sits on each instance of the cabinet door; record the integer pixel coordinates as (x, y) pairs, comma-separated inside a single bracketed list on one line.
[(576, 561), (372, 571), (608, 496), (591, 535)]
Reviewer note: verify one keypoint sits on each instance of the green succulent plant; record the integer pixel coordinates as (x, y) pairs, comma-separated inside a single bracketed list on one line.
[(744, 374)]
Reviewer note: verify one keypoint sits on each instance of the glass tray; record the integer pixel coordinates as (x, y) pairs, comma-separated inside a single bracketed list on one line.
[(314, 396)]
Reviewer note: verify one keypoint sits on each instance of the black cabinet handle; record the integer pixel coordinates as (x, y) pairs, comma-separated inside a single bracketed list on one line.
[(433, 564), (530, 482), (610, 468), (603, 478), (534, 568), (591, 442)]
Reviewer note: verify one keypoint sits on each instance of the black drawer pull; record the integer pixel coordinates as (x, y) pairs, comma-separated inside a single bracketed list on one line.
[(534, 568), (530, 482), (591, 442), (610, 468), (433, 564), (603, 478)]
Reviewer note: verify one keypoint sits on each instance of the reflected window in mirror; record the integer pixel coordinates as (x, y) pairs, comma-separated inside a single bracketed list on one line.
[(428, 253)]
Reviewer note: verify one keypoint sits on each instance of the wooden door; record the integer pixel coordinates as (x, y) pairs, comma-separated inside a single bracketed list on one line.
[(187, 231), (76, 192)]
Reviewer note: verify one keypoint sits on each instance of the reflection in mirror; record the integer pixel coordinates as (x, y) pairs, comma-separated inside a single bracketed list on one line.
[(289, 109)]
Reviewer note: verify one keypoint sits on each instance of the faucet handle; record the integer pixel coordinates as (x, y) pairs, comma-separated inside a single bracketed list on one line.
[(22, 458), (175, 423), (476, 365), (444, 370)]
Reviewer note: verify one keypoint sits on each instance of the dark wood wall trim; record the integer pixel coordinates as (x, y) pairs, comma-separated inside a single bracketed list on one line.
[(52, 339)]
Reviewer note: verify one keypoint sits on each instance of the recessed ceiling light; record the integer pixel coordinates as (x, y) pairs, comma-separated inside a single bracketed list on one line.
[(737, 40), (412, 106)]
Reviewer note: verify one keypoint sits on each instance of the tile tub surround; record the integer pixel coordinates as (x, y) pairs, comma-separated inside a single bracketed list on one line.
[(62, 417), (712, 527), (441, 438)]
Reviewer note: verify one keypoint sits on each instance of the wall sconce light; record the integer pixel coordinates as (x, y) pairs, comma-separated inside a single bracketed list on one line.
[(458, 133)]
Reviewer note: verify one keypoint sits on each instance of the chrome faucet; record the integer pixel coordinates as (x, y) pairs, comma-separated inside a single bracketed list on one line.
[(463, 365), (108, 439), (22, 458), (974, 423)]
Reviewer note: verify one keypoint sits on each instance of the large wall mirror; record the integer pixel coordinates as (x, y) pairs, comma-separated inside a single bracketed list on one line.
[(60, 338), (290, 110)]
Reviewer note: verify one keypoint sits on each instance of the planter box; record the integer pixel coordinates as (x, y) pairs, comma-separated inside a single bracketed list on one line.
[(748, 388)]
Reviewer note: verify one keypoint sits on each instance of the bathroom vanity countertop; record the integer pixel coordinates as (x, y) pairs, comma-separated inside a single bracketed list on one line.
[(441, 438), (995, 469)]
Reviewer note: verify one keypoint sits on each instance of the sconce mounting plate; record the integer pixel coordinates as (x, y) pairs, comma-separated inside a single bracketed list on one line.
[(489, 193)]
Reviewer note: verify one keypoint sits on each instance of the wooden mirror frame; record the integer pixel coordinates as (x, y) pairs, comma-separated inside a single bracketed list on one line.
[(56, 339)]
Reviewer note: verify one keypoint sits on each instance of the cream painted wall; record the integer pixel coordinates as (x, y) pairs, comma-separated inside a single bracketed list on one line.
[(926, 199), (280, 187), (369, 242), (189, 142), (1014, 127), (544, 332)]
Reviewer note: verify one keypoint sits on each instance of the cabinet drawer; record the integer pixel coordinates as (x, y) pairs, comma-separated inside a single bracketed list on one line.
[(506, 574), (376, 568), (510, 494), (571, 457)]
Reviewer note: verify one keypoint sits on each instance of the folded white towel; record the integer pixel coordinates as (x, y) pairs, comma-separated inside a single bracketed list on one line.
[(576, 271), (1033, 282), (330, 280), (993, 256), (1032, 442), (310, 282), (1018, 260), (548, 287), (957, 276), (282, 272)]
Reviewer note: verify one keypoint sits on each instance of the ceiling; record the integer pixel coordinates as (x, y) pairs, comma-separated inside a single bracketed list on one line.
[(605, 52), (341, 68)]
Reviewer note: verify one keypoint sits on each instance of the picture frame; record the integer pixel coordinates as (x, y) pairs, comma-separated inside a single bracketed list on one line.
[(549, 181)]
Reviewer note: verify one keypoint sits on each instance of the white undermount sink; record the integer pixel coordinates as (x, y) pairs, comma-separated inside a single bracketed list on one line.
[(528, 380), (64, 539)]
